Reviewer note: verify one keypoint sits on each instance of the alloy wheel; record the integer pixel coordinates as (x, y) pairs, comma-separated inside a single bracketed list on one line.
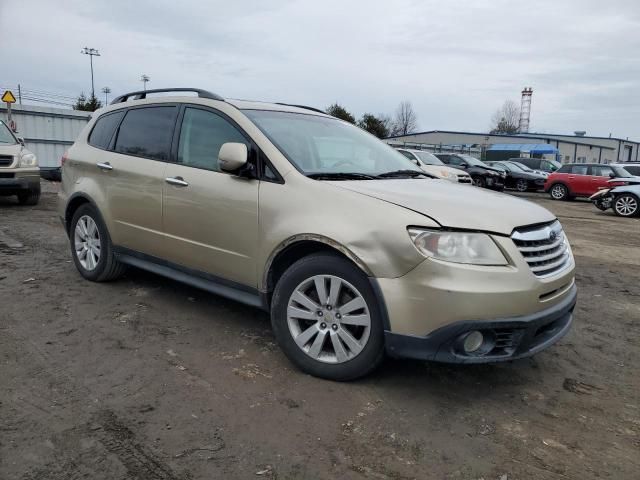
[(328, 319), (522, 185), (558, 192), (626, 206), (87, 242)]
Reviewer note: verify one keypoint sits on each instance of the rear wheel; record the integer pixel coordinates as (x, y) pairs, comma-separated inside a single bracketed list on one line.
[(326, 319), (522, 185), (91, 246), (626, 205), (559, 192), (30, 197)]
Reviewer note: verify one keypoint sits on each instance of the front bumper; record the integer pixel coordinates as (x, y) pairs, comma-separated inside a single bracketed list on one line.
[(505, 338), (495, 183), (14, 181)]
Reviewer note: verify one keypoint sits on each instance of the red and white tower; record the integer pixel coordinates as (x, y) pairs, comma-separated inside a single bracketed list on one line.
[(525, 110)]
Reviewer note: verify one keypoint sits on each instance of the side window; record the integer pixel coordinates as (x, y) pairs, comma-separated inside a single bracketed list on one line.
[(601, 170), (564, 169), (147, 132), (407, 154), (454, 160), (579, 169), (104, 129), (201, 136)]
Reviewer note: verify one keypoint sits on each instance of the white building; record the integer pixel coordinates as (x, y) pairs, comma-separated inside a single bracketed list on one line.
[(571, 148)]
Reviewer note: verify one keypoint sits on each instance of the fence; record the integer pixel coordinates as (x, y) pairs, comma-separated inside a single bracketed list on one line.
[(439, 148), (47, 132)]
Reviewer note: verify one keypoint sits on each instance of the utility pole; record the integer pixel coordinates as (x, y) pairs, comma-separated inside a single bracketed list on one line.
[(19, 95), (92, 52), (106, 91), (144, 79)]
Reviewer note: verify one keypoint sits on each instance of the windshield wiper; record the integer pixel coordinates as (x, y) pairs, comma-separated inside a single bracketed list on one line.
[(340, 176), (403, 174)]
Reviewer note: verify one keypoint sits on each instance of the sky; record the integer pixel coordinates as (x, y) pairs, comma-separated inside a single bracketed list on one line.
[(456, 61)]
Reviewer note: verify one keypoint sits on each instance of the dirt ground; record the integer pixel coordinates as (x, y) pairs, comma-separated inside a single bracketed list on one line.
[(145, 378)]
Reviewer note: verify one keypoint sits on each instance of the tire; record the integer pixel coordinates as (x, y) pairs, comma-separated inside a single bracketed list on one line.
[(100, 267), (318, 331), (479, 182), (559, 191), (30, 197), (522, 185), (626, 205)]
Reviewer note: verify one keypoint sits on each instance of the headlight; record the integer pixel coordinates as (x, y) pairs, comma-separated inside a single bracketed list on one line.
[(449, 175), (28, 160), (457, 247)]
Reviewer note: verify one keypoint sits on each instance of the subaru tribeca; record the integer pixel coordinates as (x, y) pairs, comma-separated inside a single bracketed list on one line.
[(353, 250)]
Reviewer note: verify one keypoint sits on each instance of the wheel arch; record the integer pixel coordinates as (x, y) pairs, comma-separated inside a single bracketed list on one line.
[(298, 246), (76, 201)]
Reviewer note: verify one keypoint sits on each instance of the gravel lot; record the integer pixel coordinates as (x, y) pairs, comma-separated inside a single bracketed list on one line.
[(145, 378)]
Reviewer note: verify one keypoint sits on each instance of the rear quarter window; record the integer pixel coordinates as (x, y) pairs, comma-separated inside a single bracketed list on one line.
[(103, 130)]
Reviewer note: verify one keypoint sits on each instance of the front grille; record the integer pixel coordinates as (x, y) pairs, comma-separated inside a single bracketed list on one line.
[(7, 175), (6, 160), (544, 248)]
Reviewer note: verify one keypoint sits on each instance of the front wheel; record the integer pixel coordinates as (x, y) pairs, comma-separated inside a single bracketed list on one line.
[(522, 185), (326, 319), (626, 205), (30, 197), (479, 182), (559, 192)]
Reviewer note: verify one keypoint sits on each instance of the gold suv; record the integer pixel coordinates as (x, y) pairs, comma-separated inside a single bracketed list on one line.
[(352, 248)]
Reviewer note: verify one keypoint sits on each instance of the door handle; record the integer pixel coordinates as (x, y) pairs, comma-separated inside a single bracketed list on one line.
[(177, 181), (104, 166)]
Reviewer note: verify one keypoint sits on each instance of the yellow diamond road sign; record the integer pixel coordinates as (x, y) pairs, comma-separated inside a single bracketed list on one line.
[(8, 97)]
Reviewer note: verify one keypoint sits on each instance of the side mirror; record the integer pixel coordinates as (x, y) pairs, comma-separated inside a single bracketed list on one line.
[(463, 165), (232, 156), (21, 141)]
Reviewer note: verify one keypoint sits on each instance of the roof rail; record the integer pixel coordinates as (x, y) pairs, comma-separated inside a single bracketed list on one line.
[(143, 94), (302, 106)]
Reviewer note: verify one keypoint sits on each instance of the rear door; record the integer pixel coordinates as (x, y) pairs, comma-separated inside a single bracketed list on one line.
[(600, 176), (135, 169), (210, 217), (579, 180)]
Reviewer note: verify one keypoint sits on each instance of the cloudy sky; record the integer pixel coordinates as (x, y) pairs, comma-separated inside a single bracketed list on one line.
[(455, 60)]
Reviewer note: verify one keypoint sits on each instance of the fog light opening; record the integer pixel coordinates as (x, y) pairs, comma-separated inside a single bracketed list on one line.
[(473, 341)]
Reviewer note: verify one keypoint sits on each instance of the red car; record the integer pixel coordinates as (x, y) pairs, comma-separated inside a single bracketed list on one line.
[(581, 180)]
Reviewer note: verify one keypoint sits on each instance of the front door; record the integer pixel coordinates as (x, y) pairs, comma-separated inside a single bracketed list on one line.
[(210, 217), (600, 176)]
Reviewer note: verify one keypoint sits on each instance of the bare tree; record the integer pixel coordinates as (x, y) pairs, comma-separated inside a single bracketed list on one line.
[(506, 119), (405, 121)]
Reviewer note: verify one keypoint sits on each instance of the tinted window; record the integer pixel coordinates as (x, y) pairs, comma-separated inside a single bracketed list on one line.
[(633, 169), (147, 132), (104, 129), (201, 136), (579, 169), (564, 169), (453, 160), (601, 170)]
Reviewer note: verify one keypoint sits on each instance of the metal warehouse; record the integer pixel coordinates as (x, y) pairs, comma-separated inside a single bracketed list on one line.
[(570, 148)]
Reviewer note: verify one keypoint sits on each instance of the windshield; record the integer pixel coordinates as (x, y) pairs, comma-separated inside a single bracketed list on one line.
[(521, 166), (428, 158), (473, 161), (5, 134), (621, 172), (321, 145)]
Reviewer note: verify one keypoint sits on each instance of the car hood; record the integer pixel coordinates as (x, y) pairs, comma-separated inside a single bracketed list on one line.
[(10, 149), (454, 206)]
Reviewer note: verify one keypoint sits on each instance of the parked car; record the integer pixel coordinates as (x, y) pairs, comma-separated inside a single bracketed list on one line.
[(541, 164), (353, 250), (431, 164), (517, 178), (632, 167), (622, 195), (19, 173), (529, 170), (581, 180), (482, 174)]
